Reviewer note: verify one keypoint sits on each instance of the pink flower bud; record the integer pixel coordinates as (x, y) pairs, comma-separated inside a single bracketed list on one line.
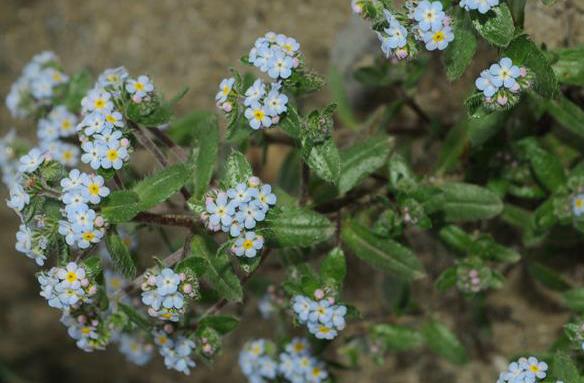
[(227, 107), (168, 328), (125, 142), (188, 288), (84, 282), (357, 8), (475, 281), (182, 276), (92, 290), (151, 312), (523, 71), (295, 62), (502, 100), (473, 273), (319, 294), (82, 319), (331, 300), (207, 348), (137, 99), (275, 120), (99, 221), (254, 182), (401, 53), (151, 280)]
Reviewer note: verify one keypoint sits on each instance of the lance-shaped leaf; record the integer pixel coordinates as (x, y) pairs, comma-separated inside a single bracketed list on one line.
[(568, 114), (523, 51), (495, 26), (121, 257), (574, 299), (206, 133), (217, 268), (291, 124), (383, 254), (564, 369), (120, 206), (444, 343), (237, 170), (396, 338), (333, 268), (464, 202), (461, 50), (361, 160), (291, 227), (323, 159), (569, 67), (136, 317), (161, 186), (223, 324), (547, 168)]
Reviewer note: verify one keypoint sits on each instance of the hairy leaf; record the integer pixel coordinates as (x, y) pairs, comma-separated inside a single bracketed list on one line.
[(444, 343), (290, 226), (495, 26), (121, 257)]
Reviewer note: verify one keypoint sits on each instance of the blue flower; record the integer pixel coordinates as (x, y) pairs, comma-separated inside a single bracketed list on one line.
[(248, 245), (321, 312), (224, 89), (264, 196), (487, 84), (338, 317), (92, 154), (258, 116), (301, 306), (505, 72), (175, 300), (240, 194), (167, 282), (280, 65), (254, 93), (275, 103), (249, 214), (321, 331), (221, 210), (429, 16), (95, 189), (438, 38)]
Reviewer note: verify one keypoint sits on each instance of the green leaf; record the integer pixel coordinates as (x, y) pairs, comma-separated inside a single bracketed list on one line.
[(383, 254), (205, 155), (461, 202), (333, 268), (290, 227), (548, 277), (547, 167), (77, 89), (135, 317), (218, 270), (523, 51), (569, 66), (237, 170), (324, 159), (396, 338), (181, 129), (495, 26), (461, 50), (291, 124), (121, 257), (447, 279), (480, 129), (195, 265), (456, 238), (564, 369), (452, 148), (574, 299), (149, 112), (444, 343), (161, 186), (568, 114), (361, 160), (93, 266), (223, 324)]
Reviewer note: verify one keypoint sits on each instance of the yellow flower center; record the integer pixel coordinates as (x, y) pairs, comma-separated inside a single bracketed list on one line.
[(85, 330), (110, 118), (226, 90), (88, 236), (93, 189), (438, 36), (259, 114), (57, 76), (579, 203), (247, 244), (112, 154), (99, 103), (113, 78), (139, 86), (67, 155), (505, 74), (166, 316), (534, 368), (162, 340), (66, 125), (71, 277), (299, 347)]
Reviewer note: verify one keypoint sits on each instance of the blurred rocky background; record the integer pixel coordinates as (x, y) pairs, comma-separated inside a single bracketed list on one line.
[(193, 43)]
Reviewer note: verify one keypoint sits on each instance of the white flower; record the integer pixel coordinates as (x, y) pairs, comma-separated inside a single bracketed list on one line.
[(18, 198), (224, 90), (258, 116), (98, 100), (140, 87)]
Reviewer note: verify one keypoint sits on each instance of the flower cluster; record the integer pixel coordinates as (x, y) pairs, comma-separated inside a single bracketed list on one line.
[(9, 155), (238, 211), (524, 370), (472, 276), (176, 351), (88, 329), (322, 316), (66, 288), (502, 83), (59, 123), (36, 86), (136, 349), (483, 6), (423, 21), (83, 226), (296, 364), (578, 205), (276, 54), (103, 127), (165, 292)]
